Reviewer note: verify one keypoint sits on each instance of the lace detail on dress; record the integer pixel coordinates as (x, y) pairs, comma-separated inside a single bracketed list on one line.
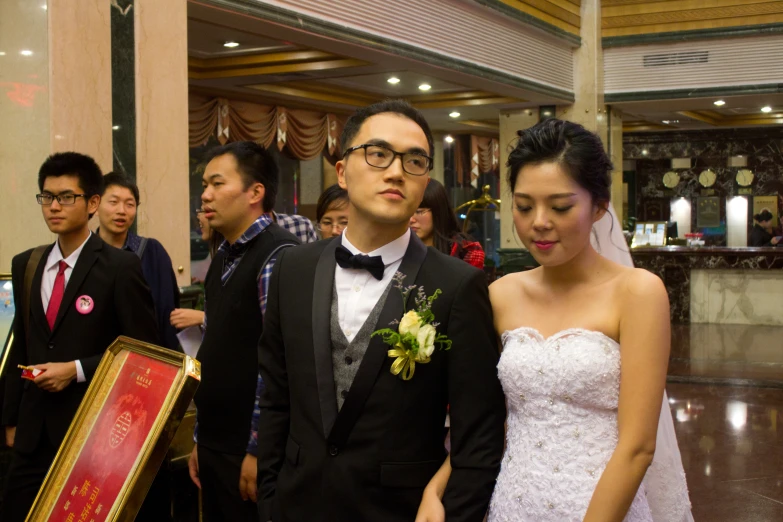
[(562, 394)]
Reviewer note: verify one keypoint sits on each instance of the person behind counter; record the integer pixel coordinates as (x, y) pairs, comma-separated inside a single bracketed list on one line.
[(762, 233)]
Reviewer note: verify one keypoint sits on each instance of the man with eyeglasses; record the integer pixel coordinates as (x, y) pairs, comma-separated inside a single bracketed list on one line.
[(82, 295), (344, 438)]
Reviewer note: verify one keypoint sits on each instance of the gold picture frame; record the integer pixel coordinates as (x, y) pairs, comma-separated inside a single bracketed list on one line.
[(119, 436)]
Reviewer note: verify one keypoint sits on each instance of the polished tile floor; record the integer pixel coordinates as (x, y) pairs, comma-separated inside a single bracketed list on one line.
[(726, 397)]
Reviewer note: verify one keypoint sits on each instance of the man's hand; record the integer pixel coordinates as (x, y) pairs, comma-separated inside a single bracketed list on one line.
[(247, 479), (10, 435), (56, 377), (193, 466), (183, 317)]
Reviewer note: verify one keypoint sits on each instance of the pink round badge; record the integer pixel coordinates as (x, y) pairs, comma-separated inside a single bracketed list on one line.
[(84, 304)]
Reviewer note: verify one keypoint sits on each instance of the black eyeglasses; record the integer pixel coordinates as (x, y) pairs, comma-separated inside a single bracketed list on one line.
[(62, 199), (414, 163)]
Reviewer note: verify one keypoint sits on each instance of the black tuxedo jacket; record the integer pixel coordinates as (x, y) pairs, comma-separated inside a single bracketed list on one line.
[(372, 460), (122, 305)]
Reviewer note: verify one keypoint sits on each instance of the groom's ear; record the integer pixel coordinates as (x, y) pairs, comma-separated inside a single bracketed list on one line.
[(340, 168)]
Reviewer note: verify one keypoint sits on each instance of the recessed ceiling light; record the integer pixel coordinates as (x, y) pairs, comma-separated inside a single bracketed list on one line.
[(766, 109), (644, 152), (425, 87), (231, 44), (449, 139), (547, 113), (393, 80), (2, 53), (43, 7), (26, 52), (454, 114), (665, 121), (115, 127), (719, 103)]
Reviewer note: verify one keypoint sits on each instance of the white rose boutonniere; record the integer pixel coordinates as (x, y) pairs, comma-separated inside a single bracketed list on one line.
[(415, 339)]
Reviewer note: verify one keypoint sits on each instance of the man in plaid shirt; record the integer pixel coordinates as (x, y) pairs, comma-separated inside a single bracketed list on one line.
[(240, 184)]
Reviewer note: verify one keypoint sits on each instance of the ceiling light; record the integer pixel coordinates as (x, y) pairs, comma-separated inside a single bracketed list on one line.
[(546, 113), (425, 87), (115, 127), (231, 44), (766, 109), (26, 52), (665, 121), (2, 53), (644, 152), (393, 80), (719, 103), (449, 139), (454, 114), (43, 7)]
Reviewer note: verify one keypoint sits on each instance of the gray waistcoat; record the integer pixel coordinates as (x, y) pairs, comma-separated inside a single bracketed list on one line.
[(346, 357)]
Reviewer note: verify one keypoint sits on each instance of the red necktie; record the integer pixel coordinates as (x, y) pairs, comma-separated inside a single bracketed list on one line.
[(57, 295)]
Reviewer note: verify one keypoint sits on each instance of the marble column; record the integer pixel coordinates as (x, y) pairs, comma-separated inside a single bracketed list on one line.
[(161, 95), (437, 171), (510, 123), (55, 95), (589, 109)]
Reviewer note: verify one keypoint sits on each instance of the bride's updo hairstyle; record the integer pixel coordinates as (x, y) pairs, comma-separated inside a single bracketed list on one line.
[(578, 151)]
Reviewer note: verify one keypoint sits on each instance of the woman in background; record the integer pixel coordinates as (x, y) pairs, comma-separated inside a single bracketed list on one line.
[(762, 233), (332, 212), (436, 225)]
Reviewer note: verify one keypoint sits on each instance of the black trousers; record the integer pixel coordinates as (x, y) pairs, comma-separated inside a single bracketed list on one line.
[(219, 476), (25, 476)]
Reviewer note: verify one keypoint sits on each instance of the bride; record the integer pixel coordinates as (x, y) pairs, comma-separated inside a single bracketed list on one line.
[(585, 351)]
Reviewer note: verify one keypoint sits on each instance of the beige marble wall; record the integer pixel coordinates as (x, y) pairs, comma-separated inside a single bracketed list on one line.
[(737, 297), (437, 171), (80, 78), (510, 123), (162, 127), (58, 98)]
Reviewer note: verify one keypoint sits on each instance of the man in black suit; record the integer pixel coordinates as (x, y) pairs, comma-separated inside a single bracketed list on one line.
[(84, 294), (341, 438)]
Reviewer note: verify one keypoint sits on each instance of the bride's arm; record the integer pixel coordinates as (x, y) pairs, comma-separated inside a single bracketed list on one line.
[(431, 507), (645, 340)]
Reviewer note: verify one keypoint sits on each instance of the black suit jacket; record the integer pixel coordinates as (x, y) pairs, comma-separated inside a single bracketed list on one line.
[(122, 306), (372, 460)]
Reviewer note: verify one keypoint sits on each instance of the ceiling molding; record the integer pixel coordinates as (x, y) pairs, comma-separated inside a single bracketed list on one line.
[(733, 120), (268, 63), (687, 36), (493, 126), (708, 92), (562, 30), (304, 91)]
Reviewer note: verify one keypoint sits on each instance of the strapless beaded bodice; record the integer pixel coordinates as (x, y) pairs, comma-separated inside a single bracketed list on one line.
[(562, 394)]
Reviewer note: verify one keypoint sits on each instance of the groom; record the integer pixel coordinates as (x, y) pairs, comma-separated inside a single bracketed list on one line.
[(340, 437)]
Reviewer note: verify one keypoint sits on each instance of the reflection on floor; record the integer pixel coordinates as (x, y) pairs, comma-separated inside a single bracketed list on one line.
[(726, 396)]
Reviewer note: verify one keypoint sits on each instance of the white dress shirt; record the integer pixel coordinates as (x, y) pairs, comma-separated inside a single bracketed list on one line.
[(47, 283), (358, 291)]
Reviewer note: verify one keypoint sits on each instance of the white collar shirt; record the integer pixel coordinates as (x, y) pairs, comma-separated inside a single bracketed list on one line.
[(358, 291)]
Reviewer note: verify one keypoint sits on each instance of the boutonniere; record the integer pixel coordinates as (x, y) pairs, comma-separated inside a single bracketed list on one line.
[(416, 336)]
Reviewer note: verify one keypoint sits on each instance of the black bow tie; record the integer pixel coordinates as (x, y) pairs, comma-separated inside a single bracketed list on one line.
[(373, 264)]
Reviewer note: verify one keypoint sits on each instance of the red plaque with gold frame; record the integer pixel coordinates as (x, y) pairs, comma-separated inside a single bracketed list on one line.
[(119, 436)]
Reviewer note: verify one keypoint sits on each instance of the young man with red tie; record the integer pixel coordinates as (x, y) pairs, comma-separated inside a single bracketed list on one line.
[(80, 295)]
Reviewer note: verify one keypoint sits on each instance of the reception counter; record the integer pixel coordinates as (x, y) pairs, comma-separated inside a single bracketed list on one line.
[(719, 284)]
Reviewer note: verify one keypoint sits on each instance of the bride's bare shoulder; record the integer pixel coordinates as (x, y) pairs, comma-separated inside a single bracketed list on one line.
[(511, 284)]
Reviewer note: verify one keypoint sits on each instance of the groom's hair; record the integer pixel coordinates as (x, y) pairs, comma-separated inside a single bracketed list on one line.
[(400, 107)]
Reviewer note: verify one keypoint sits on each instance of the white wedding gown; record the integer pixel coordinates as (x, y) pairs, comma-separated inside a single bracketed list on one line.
[(562, 395)]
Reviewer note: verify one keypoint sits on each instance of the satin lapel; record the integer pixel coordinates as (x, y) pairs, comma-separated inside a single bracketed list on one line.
[(377, 352), (36, 304), (83, 265), (322, 338)]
